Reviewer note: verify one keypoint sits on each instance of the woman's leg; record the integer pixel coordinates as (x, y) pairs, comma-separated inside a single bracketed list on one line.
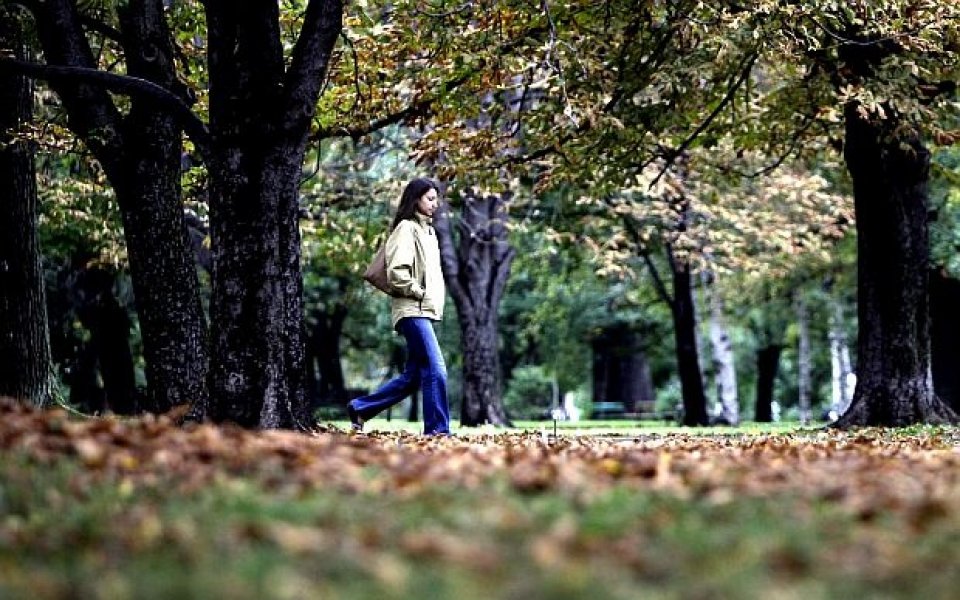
[(391, 393), (425, 353)]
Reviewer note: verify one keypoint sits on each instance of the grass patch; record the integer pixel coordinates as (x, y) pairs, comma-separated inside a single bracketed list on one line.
[(611, 427)]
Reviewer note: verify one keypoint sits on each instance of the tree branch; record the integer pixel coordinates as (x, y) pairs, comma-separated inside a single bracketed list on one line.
[(322, 25), (500, 277), (674, 154), (102, 28), (122, 84), (418, 108), (422, 106), (90, 107), (657, 281)]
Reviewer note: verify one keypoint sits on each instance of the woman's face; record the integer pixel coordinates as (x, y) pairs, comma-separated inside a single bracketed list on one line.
[(428, 203)]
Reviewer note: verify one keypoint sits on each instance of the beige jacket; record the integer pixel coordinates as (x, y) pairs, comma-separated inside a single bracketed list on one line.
[(413, 269)]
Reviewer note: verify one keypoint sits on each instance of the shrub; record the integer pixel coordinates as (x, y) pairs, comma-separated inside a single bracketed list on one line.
[(529, 394)]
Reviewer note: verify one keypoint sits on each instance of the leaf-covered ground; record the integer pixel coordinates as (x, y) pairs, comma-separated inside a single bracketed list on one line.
[(104, 508)]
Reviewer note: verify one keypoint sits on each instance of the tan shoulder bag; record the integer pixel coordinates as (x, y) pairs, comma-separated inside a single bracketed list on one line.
[(376, 273)]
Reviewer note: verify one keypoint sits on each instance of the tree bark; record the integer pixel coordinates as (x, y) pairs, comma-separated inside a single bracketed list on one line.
[(260, 114), (768, 363), (140, 153), (890, 169), (685, 338), (26, 371), (476, 267)]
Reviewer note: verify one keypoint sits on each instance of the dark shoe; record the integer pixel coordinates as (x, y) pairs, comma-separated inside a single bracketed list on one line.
[(355, 421)]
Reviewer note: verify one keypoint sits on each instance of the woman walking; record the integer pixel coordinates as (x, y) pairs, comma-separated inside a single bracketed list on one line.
[(416, 280)]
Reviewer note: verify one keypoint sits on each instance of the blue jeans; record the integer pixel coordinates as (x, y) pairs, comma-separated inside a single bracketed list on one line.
[(425, 369)]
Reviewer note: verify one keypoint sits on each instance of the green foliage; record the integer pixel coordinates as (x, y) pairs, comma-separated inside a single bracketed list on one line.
[(78, 213), (529, 394), (945, 206)]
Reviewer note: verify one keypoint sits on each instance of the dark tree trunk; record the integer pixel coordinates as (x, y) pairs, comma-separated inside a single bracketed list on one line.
[(82, 378), (890, 170), (101, 314), (324, 350), (685, 337), (260, 115), (25, 366), (620, 370), (140, 154), (476, 266), (482, 403), (945, 337), (413, 415), (768, 363)]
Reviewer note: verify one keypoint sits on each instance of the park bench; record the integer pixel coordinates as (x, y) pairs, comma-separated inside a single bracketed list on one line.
[(615, 410)]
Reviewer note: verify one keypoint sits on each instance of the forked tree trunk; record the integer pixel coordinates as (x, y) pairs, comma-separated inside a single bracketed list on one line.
[(768, 363), (476, 266), (26, 372), (261, 106), (890, 170)]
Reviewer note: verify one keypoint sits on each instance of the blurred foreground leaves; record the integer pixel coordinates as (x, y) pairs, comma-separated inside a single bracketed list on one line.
[(144, 508)]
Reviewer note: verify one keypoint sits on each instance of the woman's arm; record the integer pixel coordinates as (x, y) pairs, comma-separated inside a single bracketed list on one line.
[(401, 252)]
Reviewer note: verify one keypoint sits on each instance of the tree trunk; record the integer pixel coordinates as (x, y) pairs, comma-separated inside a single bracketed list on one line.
[(620, 370), (768, 362), (101, 314), (803, 361), (140, 154), (260, 113), (945, 337), (25, 365), (890, 170), (325, 350), (476, 271), (724, 368), (685, 337), (413, 415), (258, 377), (839, 362), (481, 378)]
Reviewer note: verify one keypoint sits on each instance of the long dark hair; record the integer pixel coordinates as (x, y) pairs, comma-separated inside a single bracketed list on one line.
[(408, 200)]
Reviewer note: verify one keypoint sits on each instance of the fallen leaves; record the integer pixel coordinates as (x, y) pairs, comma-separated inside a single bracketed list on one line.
[(868, 472), (480, 515)]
